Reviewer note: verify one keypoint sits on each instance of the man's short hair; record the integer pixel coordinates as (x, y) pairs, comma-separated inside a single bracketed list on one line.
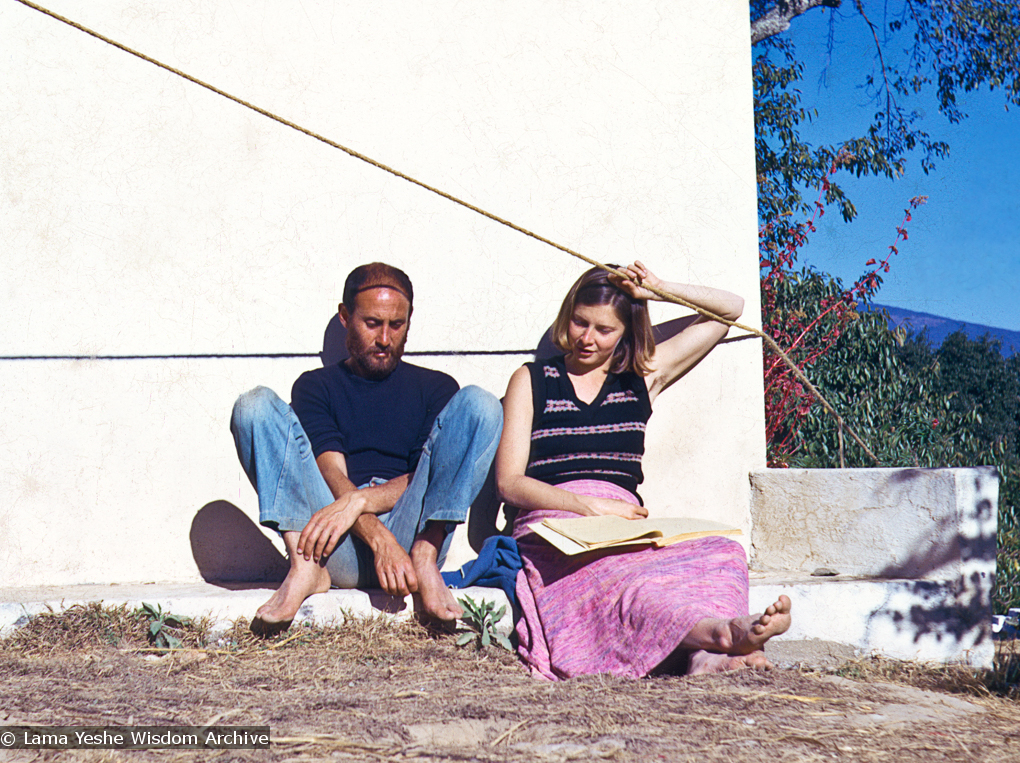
[(374, 275)]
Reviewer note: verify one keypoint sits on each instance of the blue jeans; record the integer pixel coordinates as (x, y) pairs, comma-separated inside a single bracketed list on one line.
[(278, 459)]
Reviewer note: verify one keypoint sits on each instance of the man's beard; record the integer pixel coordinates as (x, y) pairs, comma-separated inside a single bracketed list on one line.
[(362, 358)]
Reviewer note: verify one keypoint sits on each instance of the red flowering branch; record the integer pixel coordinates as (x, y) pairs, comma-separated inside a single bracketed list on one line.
[(805, 338), (868, 284)]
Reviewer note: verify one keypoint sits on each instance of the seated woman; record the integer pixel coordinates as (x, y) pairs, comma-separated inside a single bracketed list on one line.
[(573, 437)]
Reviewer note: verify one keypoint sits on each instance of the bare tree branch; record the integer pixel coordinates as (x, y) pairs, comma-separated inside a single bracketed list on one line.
[(777, 19)]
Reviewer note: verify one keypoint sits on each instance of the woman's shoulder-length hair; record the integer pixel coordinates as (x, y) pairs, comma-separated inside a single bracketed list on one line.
[(637, 345)]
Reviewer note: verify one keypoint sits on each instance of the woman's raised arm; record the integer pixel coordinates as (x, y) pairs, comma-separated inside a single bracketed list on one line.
[(678, 354), (525, 492)]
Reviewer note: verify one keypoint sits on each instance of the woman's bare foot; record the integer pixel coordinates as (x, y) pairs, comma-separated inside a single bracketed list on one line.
[(305, 578), (436, 598), (740, 635), (708, 662), (750, 633)]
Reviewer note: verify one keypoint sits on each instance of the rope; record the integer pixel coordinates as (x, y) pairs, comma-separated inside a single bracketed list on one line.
[(495, 218)]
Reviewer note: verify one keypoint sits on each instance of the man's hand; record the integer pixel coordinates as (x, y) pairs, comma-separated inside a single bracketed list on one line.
[(394, 569), (328, 525)]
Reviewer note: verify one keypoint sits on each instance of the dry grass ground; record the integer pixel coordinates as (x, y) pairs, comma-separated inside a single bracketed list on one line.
[(395, 692)]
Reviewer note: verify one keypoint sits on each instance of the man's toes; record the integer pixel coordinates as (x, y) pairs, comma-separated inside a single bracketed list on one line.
[(267, 629), (453, 610)]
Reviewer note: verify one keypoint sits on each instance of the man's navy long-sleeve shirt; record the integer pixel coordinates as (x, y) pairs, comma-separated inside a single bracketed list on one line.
[(379, 426)]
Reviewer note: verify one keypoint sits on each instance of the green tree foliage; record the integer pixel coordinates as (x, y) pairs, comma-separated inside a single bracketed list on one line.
[(931, 48), (888, 387), (957, 406), (981, 380)]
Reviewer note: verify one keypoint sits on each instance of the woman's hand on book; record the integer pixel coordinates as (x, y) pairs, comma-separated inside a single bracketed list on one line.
[(606, 506)]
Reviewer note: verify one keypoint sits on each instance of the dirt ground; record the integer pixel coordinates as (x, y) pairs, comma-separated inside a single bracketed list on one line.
[(382, 691)]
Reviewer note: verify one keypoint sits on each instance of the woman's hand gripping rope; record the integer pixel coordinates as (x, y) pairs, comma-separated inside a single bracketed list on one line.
[(640, 283)]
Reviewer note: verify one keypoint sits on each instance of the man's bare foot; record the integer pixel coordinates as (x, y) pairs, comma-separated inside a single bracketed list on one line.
[(301, 582), (262, 629), (437, 600), (305, 578), (708, 662)]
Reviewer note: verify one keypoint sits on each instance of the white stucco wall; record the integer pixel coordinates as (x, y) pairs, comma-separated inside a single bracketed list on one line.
[(164, 247)]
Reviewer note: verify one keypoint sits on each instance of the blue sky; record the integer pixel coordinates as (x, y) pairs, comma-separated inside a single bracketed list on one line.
[(962, 259)]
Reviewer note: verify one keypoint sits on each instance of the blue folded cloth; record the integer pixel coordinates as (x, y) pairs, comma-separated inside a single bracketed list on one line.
[(496, 567)]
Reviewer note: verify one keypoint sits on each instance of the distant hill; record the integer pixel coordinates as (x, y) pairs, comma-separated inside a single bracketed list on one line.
[(939, 328)]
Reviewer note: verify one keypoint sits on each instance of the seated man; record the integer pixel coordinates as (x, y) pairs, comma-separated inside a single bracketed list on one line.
[(376, 463)]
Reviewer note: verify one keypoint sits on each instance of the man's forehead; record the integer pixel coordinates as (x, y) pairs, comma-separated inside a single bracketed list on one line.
[(383, 281), (381, 296)]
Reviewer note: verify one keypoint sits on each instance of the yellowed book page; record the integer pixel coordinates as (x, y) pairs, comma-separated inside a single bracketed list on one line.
[(594, 532), (560, 542), (661, 542), (571, 547), (598, 532)]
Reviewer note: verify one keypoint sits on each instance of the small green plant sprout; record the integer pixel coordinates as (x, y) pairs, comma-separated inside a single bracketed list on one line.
[(482, 618), (160, 622)]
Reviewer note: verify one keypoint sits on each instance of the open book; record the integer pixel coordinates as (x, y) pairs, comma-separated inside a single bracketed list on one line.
[(575, 536)]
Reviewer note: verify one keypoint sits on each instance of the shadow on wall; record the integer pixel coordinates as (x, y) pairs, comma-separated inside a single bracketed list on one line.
[(334, 343), (972, 608), (229, 548), (484, 514), (943, 544)]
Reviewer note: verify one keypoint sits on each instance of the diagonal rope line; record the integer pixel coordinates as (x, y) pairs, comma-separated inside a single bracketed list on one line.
[(769, 341)]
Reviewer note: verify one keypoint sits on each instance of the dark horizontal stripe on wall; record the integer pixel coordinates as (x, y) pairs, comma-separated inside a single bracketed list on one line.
[(253, 356), (270, 355), (474, 352)]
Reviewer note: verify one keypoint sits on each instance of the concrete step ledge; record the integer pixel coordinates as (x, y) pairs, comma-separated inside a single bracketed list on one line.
[(919, 620), (927, 621)]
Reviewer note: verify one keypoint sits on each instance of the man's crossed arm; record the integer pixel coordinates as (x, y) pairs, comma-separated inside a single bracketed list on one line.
[(357, 510)]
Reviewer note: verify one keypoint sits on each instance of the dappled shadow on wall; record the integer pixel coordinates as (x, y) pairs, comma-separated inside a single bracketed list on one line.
[(229, 549), (966, 541)]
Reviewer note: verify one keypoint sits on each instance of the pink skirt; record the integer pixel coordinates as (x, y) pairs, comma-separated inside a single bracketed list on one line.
[(622, 611)]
